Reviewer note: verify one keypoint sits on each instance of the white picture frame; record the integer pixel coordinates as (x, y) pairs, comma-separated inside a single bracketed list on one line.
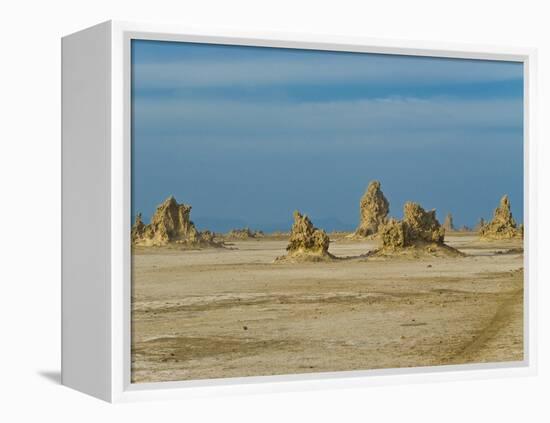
[(96, 190)]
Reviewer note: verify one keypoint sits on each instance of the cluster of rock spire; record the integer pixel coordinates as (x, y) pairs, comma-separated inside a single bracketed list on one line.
[(419, 228), (171, 223), (503, 225), (306, 243)]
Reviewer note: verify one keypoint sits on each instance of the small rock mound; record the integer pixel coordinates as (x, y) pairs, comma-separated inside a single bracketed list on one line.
[(307, 243), (419, 232), (503, 225), (243, 234), (171, 223), (374, 209), (448, 225)]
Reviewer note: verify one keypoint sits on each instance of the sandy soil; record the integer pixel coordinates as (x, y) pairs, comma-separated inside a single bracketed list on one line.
[(217, 313)]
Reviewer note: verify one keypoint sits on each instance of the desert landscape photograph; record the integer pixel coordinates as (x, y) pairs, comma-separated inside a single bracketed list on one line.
[(305, 211)]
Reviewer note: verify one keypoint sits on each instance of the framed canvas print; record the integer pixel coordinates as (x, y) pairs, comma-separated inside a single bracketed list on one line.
[(253, 212)]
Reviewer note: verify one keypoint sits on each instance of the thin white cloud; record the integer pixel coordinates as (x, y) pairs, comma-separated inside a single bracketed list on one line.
[(316, 69), (345, 118)]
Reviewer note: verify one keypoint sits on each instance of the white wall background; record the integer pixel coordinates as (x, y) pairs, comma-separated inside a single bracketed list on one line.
[(30, 207)]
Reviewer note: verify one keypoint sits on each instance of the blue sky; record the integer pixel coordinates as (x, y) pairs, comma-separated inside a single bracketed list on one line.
[(246, 135)]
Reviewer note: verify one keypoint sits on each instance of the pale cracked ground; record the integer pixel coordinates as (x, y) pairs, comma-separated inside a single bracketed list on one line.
[(232, 312)]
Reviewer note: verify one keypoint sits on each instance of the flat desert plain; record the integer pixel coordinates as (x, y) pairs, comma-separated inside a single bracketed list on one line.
[(232, 312)]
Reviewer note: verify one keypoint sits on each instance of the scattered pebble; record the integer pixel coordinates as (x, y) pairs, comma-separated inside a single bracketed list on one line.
[(245, 327)]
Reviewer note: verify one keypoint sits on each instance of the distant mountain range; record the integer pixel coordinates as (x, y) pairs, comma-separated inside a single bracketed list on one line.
[(329, 224), (222, 224)]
